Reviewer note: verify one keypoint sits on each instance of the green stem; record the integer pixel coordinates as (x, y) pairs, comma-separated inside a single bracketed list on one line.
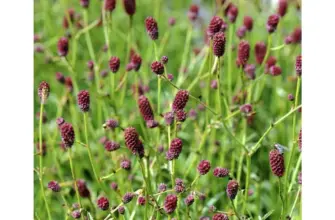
[(41, 161), (295, 201), (247, 182), (74, 178), (282, 200), (110, 175), (257, 145), (295, 173), (236, 213), (229, 74)]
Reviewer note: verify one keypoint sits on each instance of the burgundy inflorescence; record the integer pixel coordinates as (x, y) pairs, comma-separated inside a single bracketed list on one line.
[(272, 23), (111, 123), (215, 26), (220, 172), (170, 203), (203, 167), (176, 146), (232, 189), (76, 214), (248, 22), (172, 21), (220, 216), (219, 42), (83, 99), (111, 146), (189, 200), (181, 115), (179, 187), (84, 3), (157, 67), (298, 65), (180, 100), (121, 210), (68, 83), (275, 70), (145, 108), (232, 13), (241, 31), (296, 35), (277, 162), (243, 53), (141, 200), (125, 164), (129, 6), (67, 134), (162, 187), (152, 28), (131, 139), (103, 203), (193, 12), (127, 197), (114, 186), (249, 70), (82, 189), (114, 64), (260, 51), (63, 46), (169, 118), (60, 77), (282, 7), (136, 62), (269, 63), (110, 5), (164, 59), (43, 91), (54, 186)]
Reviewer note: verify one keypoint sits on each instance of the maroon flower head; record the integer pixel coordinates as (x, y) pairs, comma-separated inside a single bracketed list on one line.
[(140, 149), (60, 121), (110, 5), (220, 216), (298, 65), (232, 189), (172, 21), (193, 12), (164, 59), (246, 108), (249, 70), (219, 42), (67, 134), (162, 187), (103, 203), (60, 77), (54, 186), (232, 13), (203, 167), (145, 108), (176, 146), (114, 64), (127, 197), (68, 83), (63, 46), (260, 51), (157, 67), (83, 99), (136, 62), (269, 63), (288, 39), (296, 35), (189, 200), (214, 26), (90, 65), (152, 28), (192, 114), (170, 203), (114, 186), (84, 3), (82, 189), (141, 200), (170, 76), (180, 100), (131, 139), (277, 162), (272, 23), (243, 53), (121, 210), (68, 16), (125, 164), (290, 97), (282, 7), (181, 115), (111, 146), (111, 124), (220, 172), (76, 214), (241, 31), (129, 7), (179, 186), (169, 118), (248, 22), (43, 91), (152, 123), (275, 70)]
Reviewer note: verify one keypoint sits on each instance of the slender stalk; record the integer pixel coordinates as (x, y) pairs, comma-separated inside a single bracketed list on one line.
[(90, 153), (229, 63), (219, 110), (295, 173), (236, 213), (247, 183), (41, 160), (110, 175), (282, 199), (257, 145), (74, 177), (295, 201)]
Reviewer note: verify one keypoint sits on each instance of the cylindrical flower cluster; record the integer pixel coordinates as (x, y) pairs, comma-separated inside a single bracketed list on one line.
[(243, 53), (114, 64), (170, 203), (152, 28), (204, 167), (232, 189), (180, 100), (219, 42), (176, 146), (277, 163), (83, 99)]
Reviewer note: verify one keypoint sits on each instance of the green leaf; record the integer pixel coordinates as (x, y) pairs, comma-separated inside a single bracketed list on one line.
[(267, 214)]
